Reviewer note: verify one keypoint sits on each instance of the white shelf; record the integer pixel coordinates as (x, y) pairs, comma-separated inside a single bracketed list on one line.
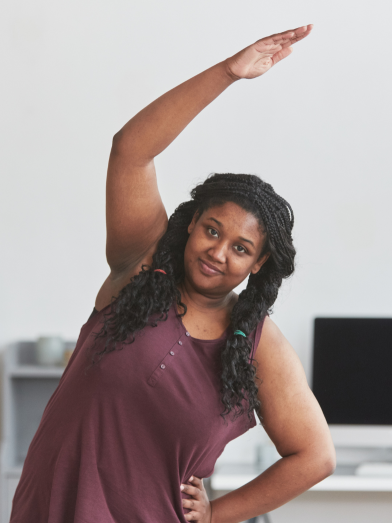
[(27, 388), (14, 471), (35, 371)]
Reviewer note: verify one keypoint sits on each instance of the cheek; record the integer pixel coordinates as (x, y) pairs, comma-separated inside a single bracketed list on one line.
[(190, 252), (196, 244), (239, 266), (186, 255)]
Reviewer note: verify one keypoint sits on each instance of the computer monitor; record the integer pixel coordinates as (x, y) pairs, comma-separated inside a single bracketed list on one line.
[(352, 378)]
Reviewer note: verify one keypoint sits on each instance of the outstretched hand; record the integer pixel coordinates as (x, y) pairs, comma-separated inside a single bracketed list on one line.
[(258, 58)]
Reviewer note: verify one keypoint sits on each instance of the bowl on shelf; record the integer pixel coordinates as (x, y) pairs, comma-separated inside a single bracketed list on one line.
[(50, 350)]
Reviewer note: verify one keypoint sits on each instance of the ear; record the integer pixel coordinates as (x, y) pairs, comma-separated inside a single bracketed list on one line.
[(257, 266), (191, 226)]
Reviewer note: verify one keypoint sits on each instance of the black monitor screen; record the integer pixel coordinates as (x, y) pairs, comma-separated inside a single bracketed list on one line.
[(352, 370)]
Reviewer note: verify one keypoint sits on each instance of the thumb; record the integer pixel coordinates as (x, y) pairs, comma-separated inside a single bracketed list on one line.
[(283, 53)]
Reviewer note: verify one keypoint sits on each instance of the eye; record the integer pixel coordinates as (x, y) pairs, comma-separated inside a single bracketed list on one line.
[(240, 246), (212, 229)]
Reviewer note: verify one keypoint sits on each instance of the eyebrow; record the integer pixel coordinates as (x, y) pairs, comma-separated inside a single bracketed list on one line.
[(221, 225)]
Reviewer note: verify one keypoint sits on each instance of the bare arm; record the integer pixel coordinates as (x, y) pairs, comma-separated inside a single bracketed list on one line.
[(136, 217), (135, 214), (295, 423)]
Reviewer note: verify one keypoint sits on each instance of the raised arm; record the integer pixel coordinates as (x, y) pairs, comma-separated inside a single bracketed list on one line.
[(135, 215)]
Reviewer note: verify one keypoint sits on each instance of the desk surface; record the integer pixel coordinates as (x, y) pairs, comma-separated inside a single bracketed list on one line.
[(231, 477)]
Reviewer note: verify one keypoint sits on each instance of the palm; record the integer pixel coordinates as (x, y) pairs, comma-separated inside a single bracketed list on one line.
[(258, 58)]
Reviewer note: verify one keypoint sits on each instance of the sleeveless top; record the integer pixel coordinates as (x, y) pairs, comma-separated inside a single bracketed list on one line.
[(115, 443)]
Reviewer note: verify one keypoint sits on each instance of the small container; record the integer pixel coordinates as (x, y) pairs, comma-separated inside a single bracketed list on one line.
[(67, 356), (50, 350)]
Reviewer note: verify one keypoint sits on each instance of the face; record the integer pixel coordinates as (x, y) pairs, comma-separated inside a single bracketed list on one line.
[(223, 248)]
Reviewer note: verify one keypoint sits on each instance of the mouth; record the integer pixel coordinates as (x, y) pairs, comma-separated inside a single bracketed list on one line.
[(208, 268)]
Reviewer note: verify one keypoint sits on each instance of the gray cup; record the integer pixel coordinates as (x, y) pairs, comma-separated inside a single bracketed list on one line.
[(50, 350)]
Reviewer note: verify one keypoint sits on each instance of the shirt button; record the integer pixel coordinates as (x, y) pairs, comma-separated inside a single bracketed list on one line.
[(187, 334), (180, 342), (172, 353), (163, 366)]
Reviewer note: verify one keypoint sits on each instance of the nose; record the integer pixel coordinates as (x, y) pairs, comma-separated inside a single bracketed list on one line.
[(218, 252)]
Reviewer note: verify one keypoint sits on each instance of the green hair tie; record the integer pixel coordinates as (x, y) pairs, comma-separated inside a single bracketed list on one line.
[(240, 332)]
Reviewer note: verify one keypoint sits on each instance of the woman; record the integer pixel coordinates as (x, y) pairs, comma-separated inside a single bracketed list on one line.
[(128, 437)]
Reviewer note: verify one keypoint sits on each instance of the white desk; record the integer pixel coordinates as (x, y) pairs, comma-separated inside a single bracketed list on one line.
[(231, 477), (341, 498)]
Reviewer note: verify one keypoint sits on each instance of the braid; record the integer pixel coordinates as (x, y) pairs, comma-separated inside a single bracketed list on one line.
[(147, 298)]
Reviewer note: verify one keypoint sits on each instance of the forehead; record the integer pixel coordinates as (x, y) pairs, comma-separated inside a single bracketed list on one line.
[(235, 219)]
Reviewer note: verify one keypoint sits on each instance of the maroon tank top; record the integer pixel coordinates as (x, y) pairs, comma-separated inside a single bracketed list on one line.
[(115, 443)]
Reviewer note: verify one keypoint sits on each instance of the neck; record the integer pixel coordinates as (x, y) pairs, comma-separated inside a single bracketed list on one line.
[(205, 303)]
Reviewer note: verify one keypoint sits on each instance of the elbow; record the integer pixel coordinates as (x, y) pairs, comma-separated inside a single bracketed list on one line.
[(318, 465), (329, 466), (117, 140), (123, 144), (126, 145), (325, 465)]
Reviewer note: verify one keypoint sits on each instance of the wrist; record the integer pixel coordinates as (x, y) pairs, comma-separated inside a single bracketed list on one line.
[(233, 77), (225, 66), (213, 513)]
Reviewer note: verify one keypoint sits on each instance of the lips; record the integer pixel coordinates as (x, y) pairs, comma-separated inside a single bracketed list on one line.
[(208, 268)]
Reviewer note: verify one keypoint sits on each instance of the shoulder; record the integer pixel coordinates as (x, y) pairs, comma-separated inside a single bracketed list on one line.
[(271, 335), (276, 358)]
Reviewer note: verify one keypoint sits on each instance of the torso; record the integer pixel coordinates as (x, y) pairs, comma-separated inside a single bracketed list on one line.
[(150, 410)]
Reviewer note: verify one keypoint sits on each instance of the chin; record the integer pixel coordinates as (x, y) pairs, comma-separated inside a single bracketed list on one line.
[(206, 284), (198, 279)]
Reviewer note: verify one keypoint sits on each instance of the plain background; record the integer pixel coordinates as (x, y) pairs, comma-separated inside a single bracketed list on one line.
[(317, 127)]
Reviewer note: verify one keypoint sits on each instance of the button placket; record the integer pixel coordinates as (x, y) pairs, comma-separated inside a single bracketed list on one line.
[(162, 367)]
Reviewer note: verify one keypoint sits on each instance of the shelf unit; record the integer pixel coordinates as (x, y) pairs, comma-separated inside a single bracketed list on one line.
[(27, 388)]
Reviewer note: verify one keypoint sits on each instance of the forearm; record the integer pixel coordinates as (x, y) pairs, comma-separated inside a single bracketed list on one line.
[(286, 479), (149, 132)]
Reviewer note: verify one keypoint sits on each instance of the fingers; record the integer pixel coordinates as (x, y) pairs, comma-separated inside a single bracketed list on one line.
[(281, 54), (268, 49), (192, 504), (190, 489), (299, 34), (195, 509), (293, 34), (192, 516), (289, 37), (197, 505), (197, 482)]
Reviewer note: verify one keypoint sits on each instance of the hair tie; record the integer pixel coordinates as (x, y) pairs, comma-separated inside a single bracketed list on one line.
[(240, 332), (160, 270)]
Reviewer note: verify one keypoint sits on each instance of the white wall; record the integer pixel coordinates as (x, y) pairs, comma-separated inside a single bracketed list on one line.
[(316, 127)]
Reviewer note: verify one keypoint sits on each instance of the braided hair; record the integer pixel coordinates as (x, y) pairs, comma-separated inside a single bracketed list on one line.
[(148, 297)]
